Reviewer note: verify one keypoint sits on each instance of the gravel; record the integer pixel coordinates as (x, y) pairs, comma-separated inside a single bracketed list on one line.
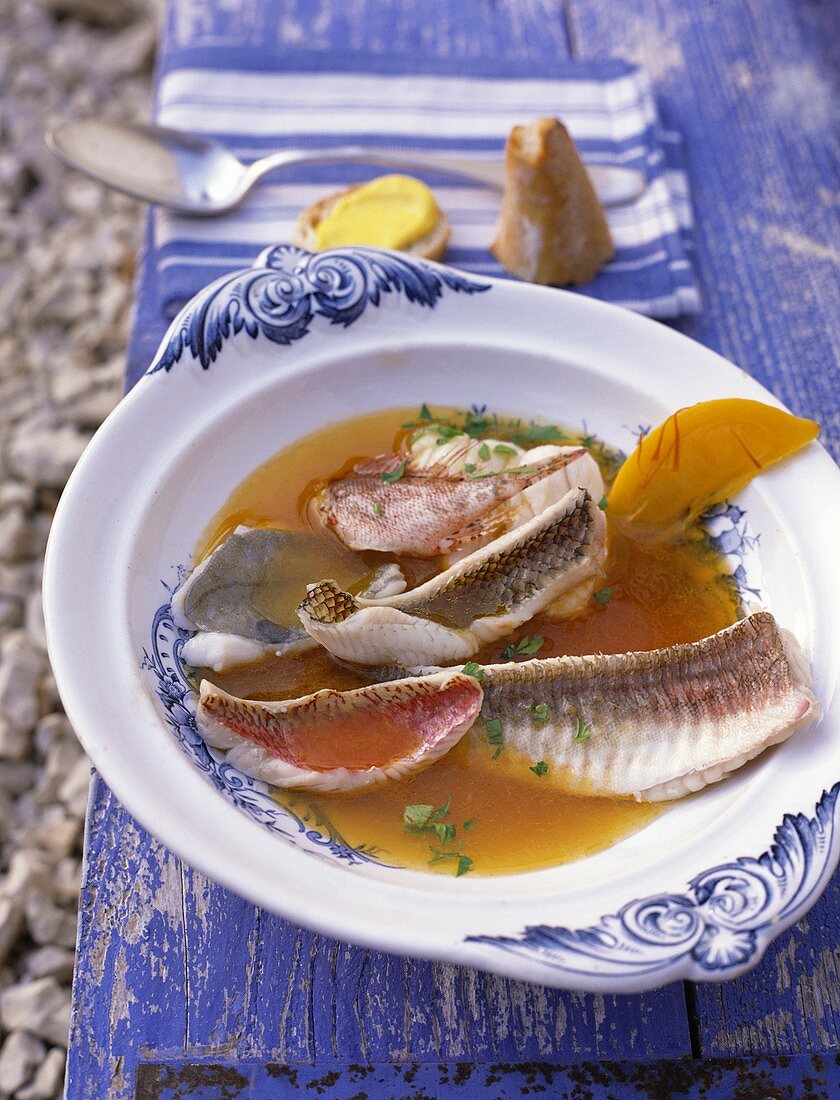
[(68, 251)]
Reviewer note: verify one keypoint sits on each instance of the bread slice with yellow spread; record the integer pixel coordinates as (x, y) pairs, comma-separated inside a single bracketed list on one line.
[(393, 211)]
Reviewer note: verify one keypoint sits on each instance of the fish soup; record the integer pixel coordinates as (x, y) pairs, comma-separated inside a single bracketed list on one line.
[(482, 806)]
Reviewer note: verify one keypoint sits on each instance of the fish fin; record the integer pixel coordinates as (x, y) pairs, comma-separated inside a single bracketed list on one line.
[(495, 522), (488, 526), (518, 478), (446, 469), (526, 475), (381, 464)]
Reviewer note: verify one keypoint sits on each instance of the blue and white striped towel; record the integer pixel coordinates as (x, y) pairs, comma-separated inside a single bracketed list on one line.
[(607, 105)]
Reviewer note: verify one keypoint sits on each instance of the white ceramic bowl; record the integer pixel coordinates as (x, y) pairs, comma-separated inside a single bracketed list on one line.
[(264, 356)]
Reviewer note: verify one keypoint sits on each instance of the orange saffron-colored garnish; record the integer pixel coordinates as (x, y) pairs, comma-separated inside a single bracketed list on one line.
[(715, 448)]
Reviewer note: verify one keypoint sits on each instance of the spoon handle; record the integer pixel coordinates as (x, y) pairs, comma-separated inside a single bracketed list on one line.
[(613, 186)]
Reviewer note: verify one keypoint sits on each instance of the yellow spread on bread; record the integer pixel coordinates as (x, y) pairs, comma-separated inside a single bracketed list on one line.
[(389, 212)]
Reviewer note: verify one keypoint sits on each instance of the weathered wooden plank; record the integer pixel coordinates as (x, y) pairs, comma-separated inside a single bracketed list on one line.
[(128, 990), (260, 987), (805, 1077), (437, 29), (752, 90)]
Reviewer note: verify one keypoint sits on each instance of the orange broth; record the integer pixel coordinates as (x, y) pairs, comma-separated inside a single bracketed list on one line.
[(661, 594)]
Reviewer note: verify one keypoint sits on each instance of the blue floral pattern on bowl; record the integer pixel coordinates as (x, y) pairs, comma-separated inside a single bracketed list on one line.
[(717, 923), (163, 660), (288, 288)]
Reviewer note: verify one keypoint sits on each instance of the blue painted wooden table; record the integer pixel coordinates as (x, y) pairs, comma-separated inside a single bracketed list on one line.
[(184, 990)]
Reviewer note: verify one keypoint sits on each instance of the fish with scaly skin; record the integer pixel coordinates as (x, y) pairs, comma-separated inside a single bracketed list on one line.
[(656, 724), (553, 561), (405, 505), (342, 740), (651, 725)]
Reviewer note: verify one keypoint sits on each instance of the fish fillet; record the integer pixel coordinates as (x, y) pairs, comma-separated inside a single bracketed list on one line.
[(432, 509), (555, 558), (342, 740), (655, 725)]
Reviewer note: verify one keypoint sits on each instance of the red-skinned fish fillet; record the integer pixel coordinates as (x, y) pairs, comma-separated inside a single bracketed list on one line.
[(429, 511), (342, 740)]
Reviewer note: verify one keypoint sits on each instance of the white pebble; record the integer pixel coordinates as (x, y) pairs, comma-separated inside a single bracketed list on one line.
[(16, 776), (66, 881), (14, 742), (46, 456), (11, 925), (21, 667), (48, 1079), (49, 962), (40, 1006), (75, 789), (50, 730), (20, 1056), (33, 621), (51, 828), (16, 534), (29, 869), (61, 759), (49, 923)]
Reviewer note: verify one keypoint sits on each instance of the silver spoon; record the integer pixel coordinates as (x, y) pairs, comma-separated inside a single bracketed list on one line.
[(199, 176)]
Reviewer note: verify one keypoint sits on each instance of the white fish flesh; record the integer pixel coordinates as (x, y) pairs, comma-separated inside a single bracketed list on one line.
[(227, 600), (655, 725), (557, 556)]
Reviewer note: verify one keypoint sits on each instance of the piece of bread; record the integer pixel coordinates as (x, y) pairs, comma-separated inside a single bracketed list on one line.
[(431, 246), (552, 228)]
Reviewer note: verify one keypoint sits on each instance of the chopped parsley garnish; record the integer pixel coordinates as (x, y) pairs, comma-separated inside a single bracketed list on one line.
[(390, 476), (483, 452), (527, 646), (504, 449), (603, 596), (539, 433), (587, 440), (445, 432), (464, 865), (582, 731), (419, 817), (377, 509), (422, 818), (602, 504), (474, 670), (464, 862), (470, 468), (521, 470), (495, 735), (539, 710), (476, 423), (540, 768), (423, 416), (416, 818), (470, 823)]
